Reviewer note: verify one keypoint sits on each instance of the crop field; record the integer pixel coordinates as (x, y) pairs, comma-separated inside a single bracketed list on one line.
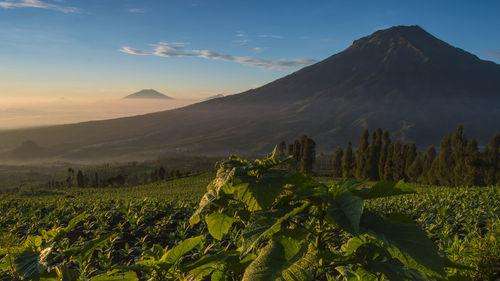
[(125, 233)]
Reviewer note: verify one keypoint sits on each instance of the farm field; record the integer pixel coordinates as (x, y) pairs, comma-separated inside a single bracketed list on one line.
[(464, 223)]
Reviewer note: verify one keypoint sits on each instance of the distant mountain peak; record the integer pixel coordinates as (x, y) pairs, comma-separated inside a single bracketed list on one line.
[(218, 96), (148, 94)]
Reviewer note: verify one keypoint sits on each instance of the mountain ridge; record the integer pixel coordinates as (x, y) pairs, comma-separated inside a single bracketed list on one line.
[(402, 79)]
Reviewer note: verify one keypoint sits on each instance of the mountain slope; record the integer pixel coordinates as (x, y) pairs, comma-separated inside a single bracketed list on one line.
[(147, 94), (402, 79)]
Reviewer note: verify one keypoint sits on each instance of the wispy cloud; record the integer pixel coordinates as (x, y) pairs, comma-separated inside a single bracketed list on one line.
[(241, 42), (165, 49), (271, 36), (241, 39), (41, 4), (137, 10), (258, 49)]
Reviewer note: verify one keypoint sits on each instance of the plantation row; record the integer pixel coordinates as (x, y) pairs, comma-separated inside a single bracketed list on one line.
[(146, 233)]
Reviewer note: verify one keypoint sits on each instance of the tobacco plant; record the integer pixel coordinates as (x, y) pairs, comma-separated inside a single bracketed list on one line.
[(278, 224)]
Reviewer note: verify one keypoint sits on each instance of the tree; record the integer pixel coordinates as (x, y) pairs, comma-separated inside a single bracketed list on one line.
[(384, 151), (428, 159), (362, 155), (371, 169), (281, 149), (415, 169), (491, 156), (96, 180), (403, 159), (161, 173), (70, 177), (411, 154), (388, 165), (472, 176), (308, 155), (397, 162), (348, 162), (296, 150), (459, 143), (80, 179), (445, 161), (337, 162)]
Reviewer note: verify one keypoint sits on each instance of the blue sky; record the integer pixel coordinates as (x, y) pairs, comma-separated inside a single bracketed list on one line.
[(197, 48)]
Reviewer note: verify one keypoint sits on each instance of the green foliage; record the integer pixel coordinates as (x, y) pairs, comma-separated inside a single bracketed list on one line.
[(315, 229), (296, 205)]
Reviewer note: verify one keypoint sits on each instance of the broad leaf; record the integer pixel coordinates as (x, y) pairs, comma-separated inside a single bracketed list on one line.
[(384, 189), (271, 264), (345, 211), (218, 224), (174, 255), (407, 237), (260, 193), (264, 228), (28, 265)]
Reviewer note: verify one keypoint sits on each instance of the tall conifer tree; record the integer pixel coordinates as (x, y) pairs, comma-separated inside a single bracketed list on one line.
[(397, 162), (348, 162), (374, 155), (362, 155), (281, 149), (459, 143), (472, 163), (410, 156), (308, 156), (445, 162), (388, 165), (428, 159), (337, 162), (386, 142), (414, 171)]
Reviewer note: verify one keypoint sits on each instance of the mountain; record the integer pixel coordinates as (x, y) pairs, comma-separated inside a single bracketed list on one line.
[(214, 97), (28, 150), (148, 94), (401, 79)]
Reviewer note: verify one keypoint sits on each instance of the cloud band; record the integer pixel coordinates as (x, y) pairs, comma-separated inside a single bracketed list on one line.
[(165, 49)]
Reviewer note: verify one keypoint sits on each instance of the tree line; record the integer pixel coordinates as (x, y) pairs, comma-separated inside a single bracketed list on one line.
[(90, 178), (458, 161), (303, 150)]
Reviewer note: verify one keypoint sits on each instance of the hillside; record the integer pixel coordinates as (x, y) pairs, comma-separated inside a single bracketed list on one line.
[(148, 94), (402, 79)]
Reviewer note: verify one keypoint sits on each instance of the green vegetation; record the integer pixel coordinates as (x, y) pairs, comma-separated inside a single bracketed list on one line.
[(458, 163), (143, 232)]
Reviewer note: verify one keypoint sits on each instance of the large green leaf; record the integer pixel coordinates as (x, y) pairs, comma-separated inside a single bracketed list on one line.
[(345, 211), (407, 237), (253, 231), (265, 228), (218, 224), (206, 200), (377, 259), (384, 189), (173, 255), (28, 265), (260, 193), (271, 264)]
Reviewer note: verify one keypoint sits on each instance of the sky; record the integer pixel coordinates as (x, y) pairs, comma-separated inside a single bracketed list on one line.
[(191, 49)]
